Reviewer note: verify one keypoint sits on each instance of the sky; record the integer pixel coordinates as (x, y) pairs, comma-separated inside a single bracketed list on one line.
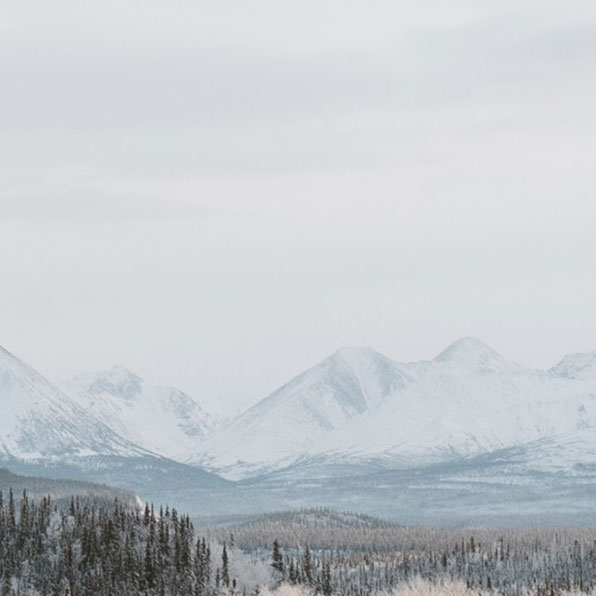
[(217, 195)]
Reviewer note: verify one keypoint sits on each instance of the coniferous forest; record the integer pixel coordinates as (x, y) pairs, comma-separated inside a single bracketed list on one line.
[(87, 548), (92, 549)]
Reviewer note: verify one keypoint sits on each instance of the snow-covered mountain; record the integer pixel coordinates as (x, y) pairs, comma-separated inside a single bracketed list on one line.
[(466, 429), (43, 432), (470, 400), (285, 425), (163, 420), (577, 366), (38, 422), (360, 405)]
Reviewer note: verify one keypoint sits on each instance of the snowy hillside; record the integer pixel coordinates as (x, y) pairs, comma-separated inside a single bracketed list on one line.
[(577, 366), (285, 425), (360, 405), (163, 420), (39, 422), (468, 400), (45, 433), (356, 430)]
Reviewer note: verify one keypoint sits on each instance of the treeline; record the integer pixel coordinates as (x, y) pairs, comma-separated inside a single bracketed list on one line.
[(86, 548), (320, 528), (62, 490), (90, 549), (295, 529), (512, 566)]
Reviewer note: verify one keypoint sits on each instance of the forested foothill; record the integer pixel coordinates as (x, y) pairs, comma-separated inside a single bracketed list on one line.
[(87, 548)]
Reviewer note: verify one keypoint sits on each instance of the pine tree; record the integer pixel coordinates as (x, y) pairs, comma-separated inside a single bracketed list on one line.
[(277, 561), (307, 566), (326, 579), (225, 572)]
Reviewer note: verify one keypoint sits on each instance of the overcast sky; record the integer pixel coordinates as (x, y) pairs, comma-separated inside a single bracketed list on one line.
[(219, 194)]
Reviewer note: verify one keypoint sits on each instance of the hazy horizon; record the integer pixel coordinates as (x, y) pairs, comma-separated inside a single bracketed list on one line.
[(217, 196), (219, 407)]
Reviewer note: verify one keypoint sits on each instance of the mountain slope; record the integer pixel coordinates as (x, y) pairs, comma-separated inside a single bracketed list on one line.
[(468, 400), (360, 405), (283, 426), (163, 420), (40, 422), (580, 367), (45, 433)]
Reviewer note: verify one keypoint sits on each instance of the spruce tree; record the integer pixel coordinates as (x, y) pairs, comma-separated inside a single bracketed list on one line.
[(225, 572), (277, 561)]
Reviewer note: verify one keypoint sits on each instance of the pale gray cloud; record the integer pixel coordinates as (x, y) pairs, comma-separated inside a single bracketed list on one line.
[(219, 193), (75, 206)]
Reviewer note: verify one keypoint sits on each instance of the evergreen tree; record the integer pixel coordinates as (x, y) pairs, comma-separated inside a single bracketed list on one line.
[(277, 561), (225, 572)]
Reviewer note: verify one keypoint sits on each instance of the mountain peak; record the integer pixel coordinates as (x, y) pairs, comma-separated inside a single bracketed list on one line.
[(576, 366), (354, 354), (11, 365), (117, 381), (360, 362), (39, 421), (160, 419), (9, 358), (470, 351)]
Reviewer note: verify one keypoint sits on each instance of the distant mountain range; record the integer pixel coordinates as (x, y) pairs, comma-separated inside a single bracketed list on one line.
[(349, 426), (358, 405)]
